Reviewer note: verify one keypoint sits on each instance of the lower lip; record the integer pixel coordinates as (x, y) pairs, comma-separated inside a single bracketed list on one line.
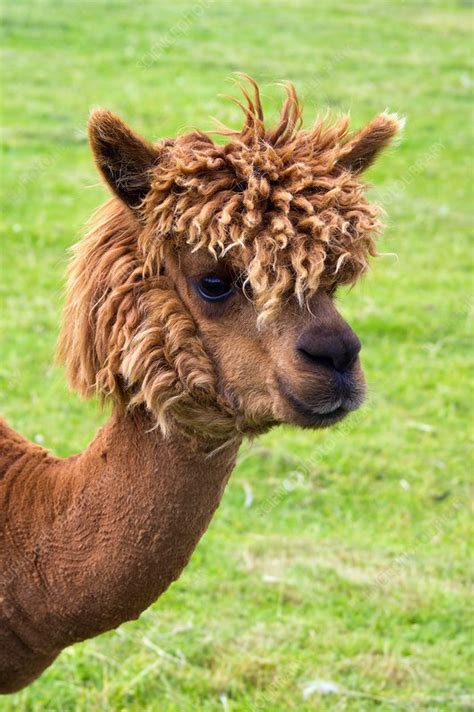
[(332, 414), (313, 416), (326, 418)]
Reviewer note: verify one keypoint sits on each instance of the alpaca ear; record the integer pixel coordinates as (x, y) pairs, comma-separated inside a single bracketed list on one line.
[(123, 158), (363, 147)]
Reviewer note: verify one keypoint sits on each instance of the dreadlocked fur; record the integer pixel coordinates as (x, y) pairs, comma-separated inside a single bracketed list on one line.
[(288, 205), (283, 200), (127, 336)]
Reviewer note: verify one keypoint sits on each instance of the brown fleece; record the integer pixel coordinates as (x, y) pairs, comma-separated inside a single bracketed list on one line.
[(91, 541)]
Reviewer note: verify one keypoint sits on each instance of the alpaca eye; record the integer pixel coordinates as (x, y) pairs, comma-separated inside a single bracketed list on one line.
[(214, 289)]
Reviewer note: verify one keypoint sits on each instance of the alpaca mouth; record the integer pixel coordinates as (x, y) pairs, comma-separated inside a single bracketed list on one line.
[(322, 415), (317, 418)]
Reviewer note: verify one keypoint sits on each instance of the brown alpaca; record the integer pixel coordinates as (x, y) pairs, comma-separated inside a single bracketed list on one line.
[(200, 304)]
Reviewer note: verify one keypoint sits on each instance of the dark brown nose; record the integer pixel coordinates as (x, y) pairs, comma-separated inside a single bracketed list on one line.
[(337, 348)]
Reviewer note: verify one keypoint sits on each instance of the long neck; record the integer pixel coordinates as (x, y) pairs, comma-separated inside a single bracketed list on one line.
[(93, 540)]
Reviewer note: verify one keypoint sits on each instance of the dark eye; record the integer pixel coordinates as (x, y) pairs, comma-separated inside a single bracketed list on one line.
[(214, 289)]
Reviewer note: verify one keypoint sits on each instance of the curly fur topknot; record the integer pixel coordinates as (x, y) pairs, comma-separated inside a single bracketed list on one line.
[(284, 200)]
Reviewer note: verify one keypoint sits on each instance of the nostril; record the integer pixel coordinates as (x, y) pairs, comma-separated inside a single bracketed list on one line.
[(316, 359), (339, 354)]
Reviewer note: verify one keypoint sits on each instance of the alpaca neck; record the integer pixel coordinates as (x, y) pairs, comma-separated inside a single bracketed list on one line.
[(93, 540)]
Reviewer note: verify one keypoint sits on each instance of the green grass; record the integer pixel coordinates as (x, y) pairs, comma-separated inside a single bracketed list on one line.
[(356, 570)]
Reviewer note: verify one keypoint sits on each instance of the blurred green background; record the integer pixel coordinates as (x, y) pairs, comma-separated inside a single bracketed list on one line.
[(335, 575)]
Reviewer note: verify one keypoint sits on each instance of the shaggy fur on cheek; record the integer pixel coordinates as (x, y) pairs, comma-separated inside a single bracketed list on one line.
[(127, 336)]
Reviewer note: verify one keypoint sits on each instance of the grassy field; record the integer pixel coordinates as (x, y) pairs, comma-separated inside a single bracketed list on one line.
[(339, 557)]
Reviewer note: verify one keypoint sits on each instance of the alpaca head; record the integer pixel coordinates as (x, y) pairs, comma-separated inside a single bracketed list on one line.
[(204, 290)]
